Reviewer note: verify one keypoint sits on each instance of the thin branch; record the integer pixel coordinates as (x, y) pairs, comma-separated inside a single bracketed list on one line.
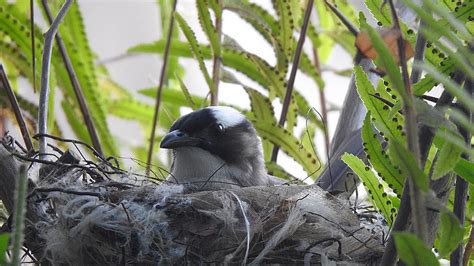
[(460, 194), (322, 101), (468, 249), (19, 215), (16, 109), (353, 29), (45, 71), (417, 201), (160, 88), (33, 48), (294, 68), (217, 59), (75, 84)]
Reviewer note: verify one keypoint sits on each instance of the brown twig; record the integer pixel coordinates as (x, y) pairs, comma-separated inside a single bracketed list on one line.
[(343, 19), (160, 88), (75, 84), (469, 245), (16, 109), (217, 59), (294, 68)]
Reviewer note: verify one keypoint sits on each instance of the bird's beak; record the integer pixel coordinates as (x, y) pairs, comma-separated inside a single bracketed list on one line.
[(176, 139)]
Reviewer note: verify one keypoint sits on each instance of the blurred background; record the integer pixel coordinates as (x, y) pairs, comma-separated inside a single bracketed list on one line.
[(112, 27)]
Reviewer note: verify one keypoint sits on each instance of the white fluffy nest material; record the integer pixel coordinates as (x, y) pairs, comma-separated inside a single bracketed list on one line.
[(159, 224)]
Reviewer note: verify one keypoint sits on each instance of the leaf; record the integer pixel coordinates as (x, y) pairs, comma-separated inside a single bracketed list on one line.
[(413, 251), (386, 59), (448, 156), (278, 171), (450, 233), (373, 186), (289, 144), (389, 37), (286, 26), (206, 23), (465, 169), (261, 106), (186, 94), (380, 11), (3, 248), (408, 164), (195, 48), (391, 127), (379, 159)]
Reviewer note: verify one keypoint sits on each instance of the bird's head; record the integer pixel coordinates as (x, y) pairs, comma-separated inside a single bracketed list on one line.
[(220, 130), (213, 136)]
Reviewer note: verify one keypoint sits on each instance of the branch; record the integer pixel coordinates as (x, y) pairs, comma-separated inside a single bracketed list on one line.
[(45, 71), (33, 48), (217, 58), (19, 214), (417, 201), (294, 68), (160, 88), (75, 84), (16, 109), (460, 195)]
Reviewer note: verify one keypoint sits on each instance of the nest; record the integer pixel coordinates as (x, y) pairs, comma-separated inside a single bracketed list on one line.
[(94, 213)]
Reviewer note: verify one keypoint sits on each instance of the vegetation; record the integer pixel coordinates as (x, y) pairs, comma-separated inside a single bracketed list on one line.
[(417, 155)]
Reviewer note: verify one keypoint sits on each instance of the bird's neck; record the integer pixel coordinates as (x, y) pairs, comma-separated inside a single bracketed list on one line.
[(201, 168)]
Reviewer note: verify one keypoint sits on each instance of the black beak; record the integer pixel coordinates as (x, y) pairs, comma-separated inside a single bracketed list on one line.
[(176, 139)]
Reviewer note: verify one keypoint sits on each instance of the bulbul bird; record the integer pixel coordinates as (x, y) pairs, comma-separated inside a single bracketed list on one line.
[(216, 148)]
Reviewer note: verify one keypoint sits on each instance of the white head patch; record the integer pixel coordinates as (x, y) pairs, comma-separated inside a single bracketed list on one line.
[(227, 116)]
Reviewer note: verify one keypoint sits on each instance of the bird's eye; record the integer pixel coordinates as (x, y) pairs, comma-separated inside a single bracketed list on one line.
[(220, 128)]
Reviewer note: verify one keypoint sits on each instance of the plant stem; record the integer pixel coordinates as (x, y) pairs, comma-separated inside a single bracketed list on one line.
[(16, 109), (417, 196), (353, 29), (217, 59), (469, 246), (75, 85), (33, 48), (294, 68), (19, 215), (45, 69), (322, 101), (460, 193), (160, 88)]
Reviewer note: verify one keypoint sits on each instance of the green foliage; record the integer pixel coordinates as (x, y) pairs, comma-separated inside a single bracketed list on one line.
[(3, 248), (413, 251), (375, 188), (379, 159), (191, 37), (450, 234), (448, 156)]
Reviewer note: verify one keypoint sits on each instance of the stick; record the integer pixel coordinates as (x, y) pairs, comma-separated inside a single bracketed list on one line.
[(217, 59), (75, 84), (294, 68), (16, 109), (45, 70), (160, 88)]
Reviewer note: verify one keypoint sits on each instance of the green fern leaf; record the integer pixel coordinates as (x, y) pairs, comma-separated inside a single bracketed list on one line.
[(191, 37), (289, 144), (379, 159), (206, 23), (373, 186)]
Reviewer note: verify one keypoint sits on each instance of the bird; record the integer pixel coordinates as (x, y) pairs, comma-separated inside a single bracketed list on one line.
[(216, 148)]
